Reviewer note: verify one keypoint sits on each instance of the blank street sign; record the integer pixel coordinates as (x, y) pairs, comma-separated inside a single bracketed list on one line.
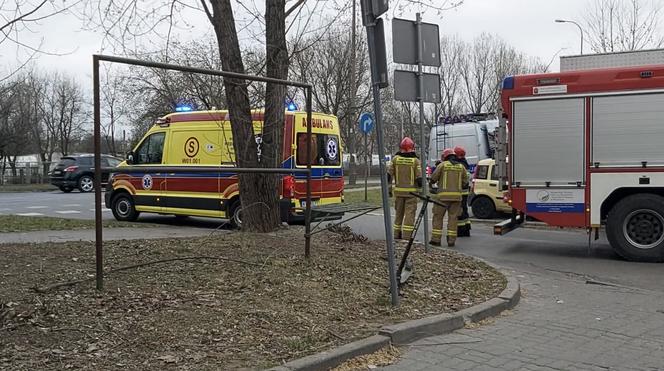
[(404, 42), (405, 86)]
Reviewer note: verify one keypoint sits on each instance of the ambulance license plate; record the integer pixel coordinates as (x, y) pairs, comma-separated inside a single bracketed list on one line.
[(313, 203)]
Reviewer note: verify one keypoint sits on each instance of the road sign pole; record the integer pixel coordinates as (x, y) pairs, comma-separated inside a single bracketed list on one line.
[(387, 217), (366, 168), (423, 153)]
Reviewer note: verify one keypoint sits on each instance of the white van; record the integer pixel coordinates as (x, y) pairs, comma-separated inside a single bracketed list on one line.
[(473, 136)]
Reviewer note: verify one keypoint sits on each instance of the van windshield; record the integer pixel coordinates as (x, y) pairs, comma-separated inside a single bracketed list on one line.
[(325, 150)]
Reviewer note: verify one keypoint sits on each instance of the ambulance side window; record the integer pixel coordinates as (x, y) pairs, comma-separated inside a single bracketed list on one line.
[(151, 150), (325, 150)]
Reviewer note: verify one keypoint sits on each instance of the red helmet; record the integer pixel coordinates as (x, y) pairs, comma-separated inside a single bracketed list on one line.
[(407, 145), (447, 153), (459, 152)]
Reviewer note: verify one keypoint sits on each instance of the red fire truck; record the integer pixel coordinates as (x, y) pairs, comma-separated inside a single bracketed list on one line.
[(586, 150)]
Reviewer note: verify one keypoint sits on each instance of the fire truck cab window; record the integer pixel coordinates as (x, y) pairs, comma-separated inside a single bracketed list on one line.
[(151, 150), (482, 171), (325, 150), (494, 173)]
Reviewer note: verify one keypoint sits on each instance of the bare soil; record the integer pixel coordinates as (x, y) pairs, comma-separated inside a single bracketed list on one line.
[(234, 301)]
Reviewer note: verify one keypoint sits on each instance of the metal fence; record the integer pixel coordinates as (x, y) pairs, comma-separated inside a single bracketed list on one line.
[(25, 172)]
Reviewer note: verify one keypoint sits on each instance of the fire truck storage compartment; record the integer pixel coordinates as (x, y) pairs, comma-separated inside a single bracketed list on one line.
[(548, 142), (628, 130)]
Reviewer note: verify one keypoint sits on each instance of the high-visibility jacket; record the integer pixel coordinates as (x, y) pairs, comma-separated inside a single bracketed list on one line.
[(451, 179), (405, 170), (466, 186)]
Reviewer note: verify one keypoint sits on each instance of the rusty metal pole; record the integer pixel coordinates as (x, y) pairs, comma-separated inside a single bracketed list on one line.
[(97, 145), (307, 212)]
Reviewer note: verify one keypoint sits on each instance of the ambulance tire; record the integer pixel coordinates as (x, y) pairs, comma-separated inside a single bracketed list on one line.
[(235, 214), (483, 208), (635, 228), (123, 208)]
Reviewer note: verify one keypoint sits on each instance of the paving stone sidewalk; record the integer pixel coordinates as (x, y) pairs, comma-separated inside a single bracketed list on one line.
[(561, 323)]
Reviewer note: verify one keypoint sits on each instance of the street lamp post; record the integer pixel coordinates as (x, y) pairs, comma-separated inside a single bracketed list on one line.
[(577, 25)]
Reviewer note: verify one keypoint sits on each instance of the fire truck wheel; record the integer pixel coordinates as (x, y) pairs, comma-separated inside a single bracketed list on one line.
[(235, 214), (123, 208), (483, 208), (635, 228)]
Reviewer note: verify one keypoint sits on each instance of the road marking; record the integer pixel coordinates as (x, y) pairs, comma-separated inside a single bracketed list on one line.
[(71, 205), (37, 207), (68, 212), (30, 214)]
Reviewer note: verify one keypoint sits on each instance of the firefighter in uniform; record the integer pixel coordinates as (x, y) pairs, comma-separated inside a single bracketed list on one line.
[(407, 174), (463, 224), (450, 177)]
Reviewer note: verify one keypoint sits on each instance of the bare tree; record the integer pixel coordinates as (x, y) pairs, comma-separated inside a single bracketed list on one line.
[(64, 110), (484, 64), (115, 106), (21, 16), (327, 66), (623, 25), (452, 49)]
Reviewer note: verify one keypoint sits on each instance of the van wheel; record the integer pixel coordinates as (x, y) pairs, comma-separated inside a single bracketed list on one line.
[(635, 228), (235, 214), (483, 208), (124, 209)]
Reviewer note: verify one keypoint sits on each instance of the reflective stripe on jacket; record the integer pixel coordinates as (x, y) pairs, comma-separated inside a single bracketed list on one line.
[(405, 169), (450, 178)]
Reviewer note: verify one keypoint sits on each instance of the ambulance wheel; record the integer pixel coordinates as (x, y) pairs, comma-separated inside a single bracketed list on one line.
[(123, 208), (235, 214), (635, 228), (483, 208)]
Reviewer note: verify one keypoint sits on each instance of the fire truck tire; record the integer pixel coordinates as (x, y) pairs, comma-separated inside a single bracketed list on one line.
[(635, 228), (123, 208), (483, 208), (235, 214)]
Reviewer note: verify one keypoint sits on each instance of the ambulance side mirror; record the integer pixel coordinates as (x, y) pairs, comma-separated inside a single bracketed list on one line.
[(130, 158)]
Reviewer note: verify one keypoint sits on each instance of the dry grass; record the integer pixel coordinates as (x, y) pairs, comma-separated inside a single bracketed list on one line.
[(260, 305)]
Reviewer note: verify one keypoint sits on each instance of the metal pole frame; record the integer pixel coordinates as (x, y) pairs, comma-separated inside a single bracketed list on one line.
[(420, 100), (96, 58)]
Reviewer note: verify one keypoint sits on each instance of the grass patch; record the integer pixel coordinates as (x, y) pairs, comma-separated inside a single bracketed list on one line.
[(17, 223), (231, 301), (373, 197), (6, 188)]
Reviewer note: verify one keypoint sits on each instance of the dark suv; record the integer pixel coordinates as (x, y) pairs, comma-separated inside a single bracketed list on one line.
[(77, 171)]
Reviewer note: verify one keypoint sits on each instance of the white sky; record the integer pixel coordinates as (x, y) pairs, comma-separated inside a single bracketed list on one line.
[(526, 24)]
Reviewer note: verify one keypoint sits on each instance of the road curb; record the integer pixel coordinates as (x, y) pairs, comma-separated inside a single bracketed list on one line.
[(336, 356), (406, 332)]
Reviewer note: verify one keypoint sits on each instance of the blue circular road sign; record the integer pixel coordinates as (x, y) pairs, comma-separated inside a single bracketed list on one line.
[(367, 122)]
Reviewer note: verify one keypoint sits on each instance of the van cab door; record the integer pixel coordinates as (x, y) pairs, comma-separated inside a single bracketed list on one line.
[(191, 192), (150, 185)]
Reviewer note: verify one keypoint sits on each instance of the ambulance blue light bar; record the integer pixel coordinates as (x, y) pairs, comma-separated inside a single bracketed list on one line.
[(291, 106), (183, 108)]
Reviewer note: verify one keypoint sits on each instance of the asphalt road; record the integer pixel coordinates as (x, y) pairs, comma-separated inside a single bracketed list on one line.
[(524, 250)]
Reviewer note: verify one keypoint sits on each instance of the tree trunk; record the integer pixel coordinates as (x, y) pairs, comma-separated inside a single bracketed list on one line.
[(275, 97), (259, 205)]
